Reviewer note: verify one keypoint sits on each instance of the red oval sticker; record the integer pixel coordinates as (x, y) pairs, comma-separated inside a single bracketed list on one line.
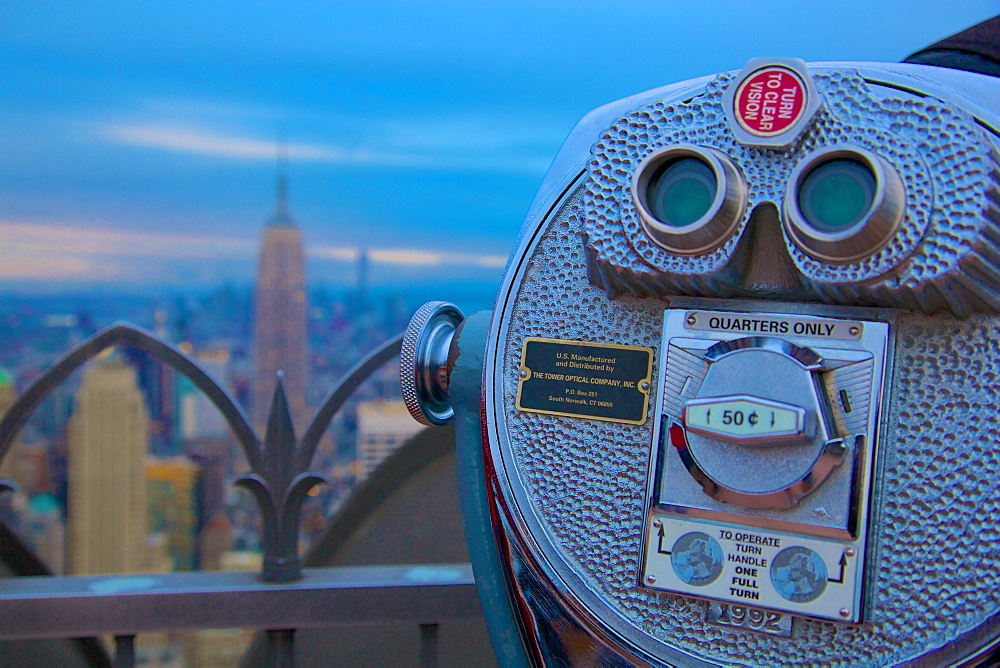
[(770, 101)]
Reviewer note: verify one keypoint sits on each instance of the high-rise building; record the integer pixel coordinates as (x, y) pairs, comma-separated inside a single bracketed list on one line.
[(8, 395), (157, 382), (214, 457), (215, 540), (171, 489), (361, 294), (45, 531), (7, 392), (383, 426), (29, 466), (107, 515), (199, 417), (280, 316)]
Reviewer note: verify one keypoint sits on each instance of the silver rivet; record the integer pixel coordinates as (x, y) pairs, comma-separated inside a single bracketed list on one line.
[(691, 320), (855, 331), (651, 579), (644, 385), (657, 524), (850, 551), (844, 612), (524, 373)]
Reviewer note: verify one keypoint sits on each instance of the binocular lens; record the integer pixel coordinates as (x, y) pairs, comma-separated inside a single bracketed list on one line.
[(681, 192), (843, 204), (689, 198), (837, 195)]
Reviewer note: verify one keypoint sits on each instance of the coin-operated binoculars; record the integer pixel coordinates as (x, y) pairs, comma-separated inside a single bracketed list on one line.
[(737, 400)]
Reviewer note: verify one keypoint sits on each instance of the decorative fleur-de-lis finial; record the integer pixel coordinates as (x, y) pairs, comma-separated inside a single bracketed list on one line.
[(280, 487), (279, 477)]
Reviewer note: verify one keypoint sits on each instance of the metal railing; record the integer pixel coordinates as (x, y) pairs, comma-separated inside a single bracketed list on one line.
[(279, 599), (126, 605)]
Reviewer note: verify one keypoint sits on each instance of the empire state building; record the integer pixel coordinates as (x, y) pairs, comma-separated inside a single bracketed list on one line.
[(280, 317)]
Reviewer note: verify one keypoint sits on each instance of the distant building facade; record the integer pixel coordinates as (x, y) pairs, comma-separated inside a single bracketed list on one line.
[(200, 419), (157, 382), (280, 317), (107, 512), (8, 395), (383, 426), (171, 487)]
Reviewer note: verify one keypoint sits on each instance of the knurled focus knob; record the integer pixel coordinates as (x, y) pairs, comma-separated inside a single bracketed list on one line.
[(423, 362)]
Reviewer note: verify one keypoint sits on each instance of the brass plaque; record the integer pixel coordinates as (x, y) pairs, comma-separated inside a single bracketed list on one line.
[(600, 381)]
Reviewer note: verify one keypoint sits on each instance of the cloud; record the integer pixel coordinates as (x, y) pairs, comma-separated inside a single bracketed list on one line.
[(407, 257), (46, 269), (22, 240), (46, 252), (467, 147), (432, 259), (184, 140)]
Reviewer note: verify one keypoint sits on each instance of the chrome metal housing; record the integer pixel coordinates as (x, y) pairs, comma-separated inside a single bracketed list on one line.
[(719, 222), (866, 237), (570, 517)]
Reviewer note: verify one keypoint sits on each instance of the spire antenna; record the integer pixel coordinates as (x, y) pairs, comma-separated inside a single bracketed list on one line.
[(281, 209)]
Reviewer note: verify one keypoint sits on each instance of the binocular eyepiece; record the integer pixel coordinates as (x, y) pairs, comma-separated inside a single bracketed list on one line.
[(842, 204), (855, 194)]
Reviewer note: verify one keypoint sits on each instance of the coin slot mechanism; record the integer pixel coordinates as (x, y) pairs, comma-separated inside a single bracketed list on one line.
[(760, 484), (746, 420)]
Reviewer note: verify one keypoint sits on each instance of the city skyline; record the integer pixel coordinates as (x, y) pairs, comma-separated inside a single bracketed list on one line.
[(181, 436), (138, 144)]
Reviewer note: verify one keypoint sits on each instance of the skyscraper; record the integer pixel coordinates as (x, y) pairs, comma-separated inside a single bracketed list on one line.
[(108, 521), (8, 395), (157, 382), (280, 316), (171, 483), (383, 426), (361, 297)]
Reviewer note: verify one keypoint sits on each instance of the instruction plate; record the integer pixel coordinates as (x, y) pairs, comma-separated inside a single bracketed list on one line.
[(754, 567), (600, 381)]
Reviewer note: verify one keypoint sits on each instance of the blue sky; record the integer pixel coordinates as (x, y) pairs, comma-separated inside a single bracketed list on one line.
[(137, 140)]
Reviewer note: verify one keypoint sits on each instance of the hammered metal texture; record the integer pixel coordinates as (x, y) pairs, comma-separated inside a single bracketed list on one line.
[(934, 572), (943, 257)]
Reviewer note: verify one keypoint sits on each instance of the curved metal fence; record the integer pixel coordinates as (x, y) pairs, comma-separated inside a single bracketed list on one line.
[(283, 596)]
